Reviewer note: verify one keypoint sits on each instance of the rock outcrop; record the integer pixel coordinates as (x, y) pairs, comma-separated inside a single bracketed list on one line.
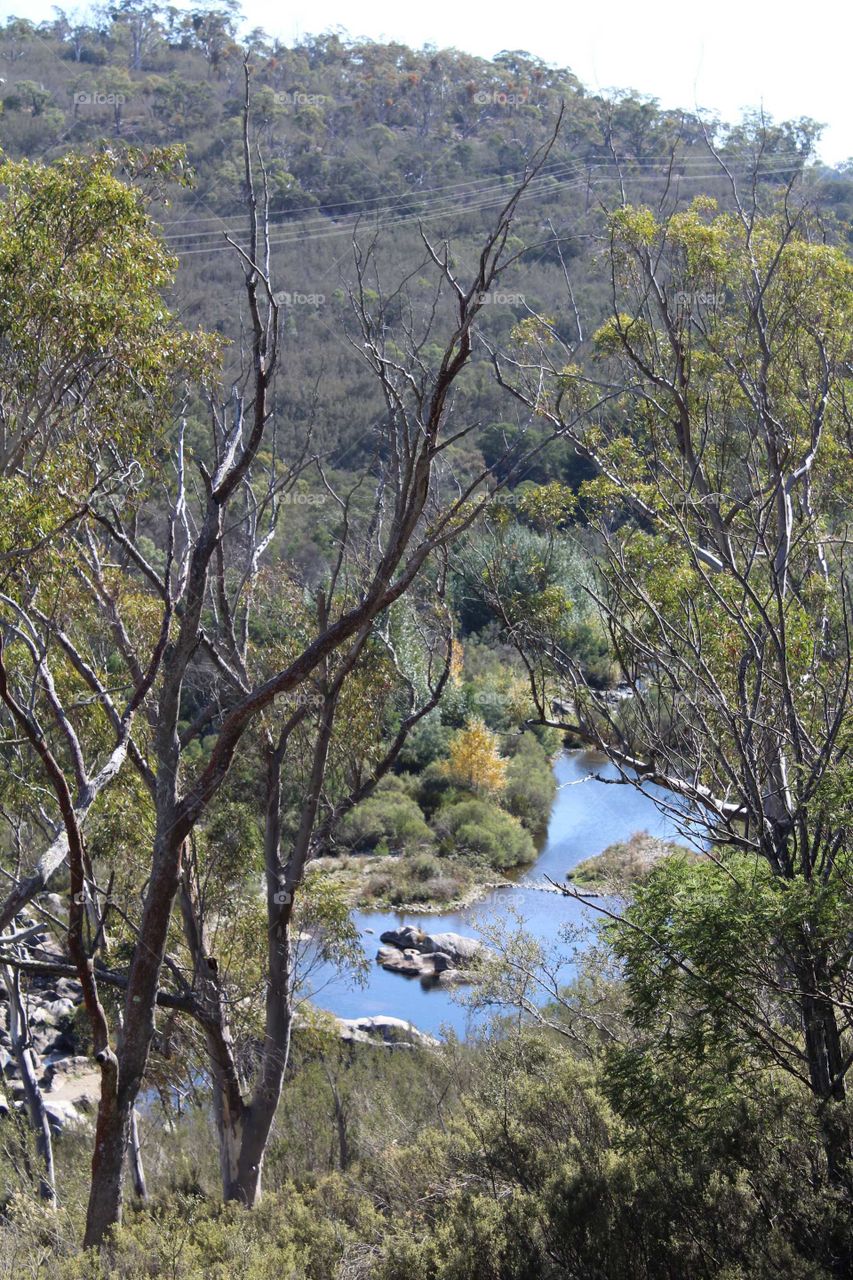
[(394, 1032), (69, 1084), (446, 958)]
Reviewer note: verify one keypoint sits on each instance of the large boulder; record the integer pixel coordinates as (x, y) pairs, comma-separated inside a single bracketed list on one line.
[(411, 963), (383, 1030), (62, 1113), (461, 951)]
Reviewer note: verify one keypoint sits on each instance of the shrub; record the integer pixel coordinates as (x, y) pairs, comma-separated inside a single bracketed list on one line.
[(389, 819), (419, 878), (427, 742), (530, 784), (484, 833), (474, 760), (423, 865), (436, 788)]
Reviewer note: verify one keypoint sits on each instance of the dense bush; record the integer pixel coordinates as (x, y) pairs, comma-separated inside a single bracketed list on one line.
[(192, 1238), (427, 742), (530, 784), (484, 833), (518, 1155), (389, 820), (435, 788), (542, 1180)]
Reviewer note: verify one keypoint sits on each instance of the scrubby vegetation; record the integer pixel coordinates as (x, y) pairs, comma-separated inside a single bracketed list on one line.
[(626, 863), (469, 799), (524, 1153), (374, 422)]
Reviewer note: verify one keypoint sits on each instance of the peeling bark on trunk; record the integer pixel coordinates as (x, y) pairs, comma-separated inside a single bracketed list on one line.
[(137, 1169)]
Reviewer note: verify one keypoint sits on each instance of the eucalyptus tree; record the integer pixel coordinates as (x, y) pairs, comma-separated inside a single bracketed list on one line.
[(90, 360), (720, 429), (324, 753), (164, 564)]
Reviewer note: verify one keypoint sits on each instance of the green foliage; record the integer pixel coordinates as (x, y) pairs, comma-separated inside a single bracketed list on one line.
[(82, 317), (687, 1148), (323, 911), (198, 1240), (690, 931), (484, 833), (547, 1181), (418, 878), (535, 583), (426, 743), (530, 784), (390, 820)]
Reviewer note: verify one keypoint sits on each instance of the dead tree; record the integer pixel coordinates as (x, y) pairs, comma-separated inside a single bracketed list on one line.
[(206, 534)]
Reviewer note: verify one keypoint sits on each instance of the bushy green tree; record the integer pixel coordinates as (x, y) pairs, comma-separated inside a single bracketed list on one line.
[(484, 833), (389, 821)]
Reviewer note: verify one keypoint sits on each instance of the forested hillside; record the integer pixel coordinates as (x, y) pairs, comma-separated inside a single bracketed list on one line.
[(377, 426), (385, 140)]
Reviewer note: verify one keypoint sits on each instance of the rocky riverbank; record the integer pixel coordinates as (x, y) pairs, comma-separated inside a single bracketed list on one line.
[(371, 882), (68, 1079)]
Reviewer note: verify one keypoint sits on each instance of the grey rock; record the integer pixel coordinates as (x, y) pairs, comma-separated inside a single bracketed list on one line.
[(77, 1062), (408, 962), (63, 1007), (386, 1030), (42, 1016), (455, 977), (62, 1113), (461, 951)]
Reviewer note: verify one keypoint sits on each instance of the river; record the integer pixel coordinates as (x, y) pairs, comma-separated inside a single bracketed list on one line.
[(586, 817)]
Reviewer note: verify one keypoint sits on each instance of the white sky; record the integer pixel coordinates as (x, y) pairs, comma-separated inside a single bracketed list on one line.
[(794, 60)]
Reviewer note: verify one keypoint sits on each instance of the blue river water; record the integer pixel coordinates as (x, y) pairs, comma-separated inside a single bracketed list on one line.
[(587, 816)]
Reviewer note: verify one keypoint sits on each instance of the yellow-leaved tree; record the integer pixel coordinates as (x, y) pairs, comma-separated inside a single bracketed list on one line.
[(475, 760)]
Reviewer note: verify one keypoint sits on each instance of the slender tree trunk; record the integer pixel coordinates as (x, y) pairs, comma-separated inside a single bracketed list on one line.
[(115, 1112), (282, 884), (112, 1134), (229, 1108), (260, 1113), (825, 1057), (340, 1124), (137, 1168), (230, 1131), (38, 1118)]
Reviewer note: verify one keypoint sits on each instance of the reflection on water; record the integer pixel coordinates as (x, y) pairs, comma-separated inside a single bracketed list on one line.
[(587, 816)]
